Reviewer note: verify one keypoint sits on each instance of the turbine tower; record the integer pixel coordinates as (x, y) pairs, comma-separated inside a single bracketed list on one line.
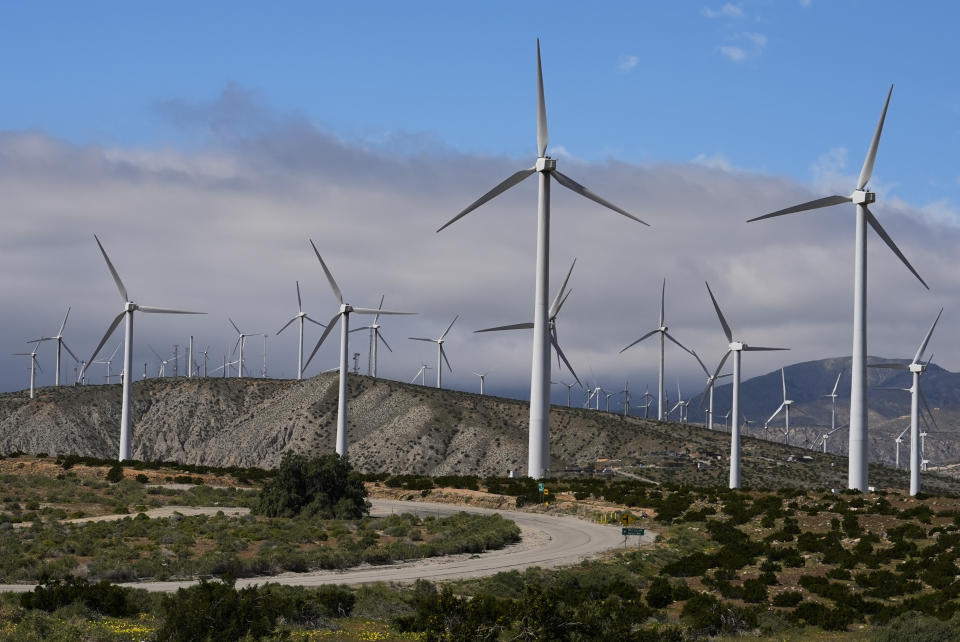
[(301, 316), (422, 374), (109, 361), (376, 337), (538, 457), (833, 403), (482, 376), (129, 307), (736, 348), (785, 407), (858, 456), (915, 368), (58, 337), (441, 353), (708, 391), (241, 341), (343, 313), (662, 331), (34, 365)]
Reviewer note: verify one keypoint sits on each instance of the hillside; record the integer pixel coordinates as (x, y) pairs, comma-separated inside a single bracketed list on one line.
[(394, 427)]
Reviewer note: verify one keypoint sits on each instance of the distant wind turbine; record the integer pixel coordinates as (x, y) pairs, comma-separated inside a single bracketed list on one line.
[(58, 337), (538, 456), (735, 348), (34, 365), (833, 403), (858, 453), (441, 353), (422, 374), (301, 316), (342, 314), (482, 376), (129, 307), (708, 391), (108, 361), (241, 341)]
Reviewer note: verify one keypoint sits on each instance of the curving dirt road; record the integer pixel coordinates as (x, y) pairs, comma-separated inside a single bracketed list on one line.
[(547, 541)]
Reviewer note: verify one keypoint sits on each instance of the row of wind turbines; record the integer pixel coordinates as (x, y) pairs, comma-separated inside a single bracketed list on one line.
[(545, 314)]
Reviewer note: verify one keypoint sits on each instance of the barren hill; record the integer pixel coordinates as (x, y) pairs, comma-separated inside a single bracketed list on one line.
[(394, 427)]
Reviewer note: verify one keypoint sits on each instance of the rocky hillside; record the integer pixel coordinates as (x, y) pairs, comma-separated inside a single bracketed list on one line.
[(394, 427)]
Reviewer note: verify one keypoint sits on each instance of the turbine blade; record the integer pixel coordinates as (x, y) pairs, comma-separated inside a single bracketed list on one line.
[(299, 301), (840, 374), (234, 325), (555, 306), (889, 366), (422, 339), (64, 324), (574, 186), (926, 406), (556, 346), (809, 205), (113, 271), (326, 331), (760, 349), (333, 282), (448, 327), (379, 307), (783, 379), (774, 414), (380, 336), (683, 347), (235, 346), (443, 353), (663, 299), (875, 224), (723, 322), (376, 311), (314, 321), (564, 300), (542, 135), (159, 358), (926, 339), (515, 326), (363, 327), (867, 170), (287, 324), (69, 351), (697, 357), (720, 365), (153, 310), (512, 180), (651, 333), (106, 336)]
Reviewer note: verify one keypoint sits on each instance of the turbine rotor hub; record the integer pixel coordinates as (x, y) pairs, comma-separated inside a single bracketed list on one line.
[(546, 164), (863, 197), (129, 306), (916, 367), (346, 308), (737, 346)]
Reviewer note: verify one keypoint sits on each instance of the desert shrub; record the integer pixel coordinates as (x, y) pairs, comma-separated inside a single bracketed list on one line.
[(324, 487), (838, 574), (660, 593), (754, 591), (102, 597), (143, 479), (917, 627), (707, 616), (216, 612), (921, 513), (115, 474), (788, 598)]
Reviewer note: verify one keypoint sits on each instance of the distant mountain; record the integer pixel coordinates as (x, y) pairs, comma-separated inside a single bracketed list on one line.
[(809, 382)]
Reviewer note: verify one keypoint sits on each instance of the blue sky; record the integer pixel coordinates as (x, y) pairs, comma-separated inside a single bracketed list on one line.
[(766, 86), (212, 139)]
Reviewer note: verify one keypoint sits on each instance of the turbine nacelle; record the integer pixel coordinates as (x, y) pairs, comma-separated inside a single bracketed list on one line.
[(917, 367), (863, 197), (737, 346), (346, 308), (545, 164)]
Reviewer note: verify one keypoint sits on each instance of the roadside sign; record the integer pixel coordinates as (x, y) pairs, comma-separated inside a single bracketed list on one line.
[(631, 531), (540, 487), (546, 491), (626, 519)]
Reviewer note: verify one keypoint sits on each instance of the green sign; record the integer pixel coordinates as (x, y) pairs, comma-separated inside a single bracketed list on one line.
[(540, 487), (631, 531)]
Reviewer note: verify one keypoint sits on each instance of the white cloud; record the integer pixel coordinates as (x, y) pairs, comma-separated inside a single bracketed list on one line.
[(728, 10), (806, 3), (627, 63), (744, 46), (714, 161), (827, 171)]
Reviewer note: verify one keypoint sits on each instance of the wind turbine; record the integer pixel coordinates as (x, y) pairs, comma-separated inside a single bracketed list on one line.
[(626, 398), (662, 330), (163, 362), (482, 375), (342, 314), (785, 407), (916, 368), (241, 340), (301, 316), (708, 391), (833, 403), (441, 353), (538, 460), (421, 373), (552, 313), (736, 348), (679, 404), (58, 337), (375, 338), (569, 388), (108, 361), (648, 401), (129, 307), (34, 365), (858, 456), (608, 395)]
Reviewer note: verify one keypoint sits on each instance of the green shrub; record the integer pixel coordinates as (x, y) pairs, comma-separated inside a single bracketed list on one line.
[(917, 627), (707, 616), (660, 593), (102, 597), (216, 612), (115, 474), (788, 598), (324, 487)]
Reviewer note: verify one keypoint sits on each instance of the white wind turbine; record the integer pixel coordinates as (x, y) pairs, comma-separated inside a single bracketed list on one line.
[(109, 361), (858, 455), (376, 337), (342, 314), (241, 341), (34, 365), (916, 368), (441, 353), (539, 438), (608, 395), (300, 316), (626, 398), (129, 307), (898, 441), (833, 404), (163, 362), (785, 407), (736, 348), (482, 376), (662, 330), (58, 337), (422, 374), (552, 314), (569, 389), (708, 391), (679, 405), (647, 402)]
